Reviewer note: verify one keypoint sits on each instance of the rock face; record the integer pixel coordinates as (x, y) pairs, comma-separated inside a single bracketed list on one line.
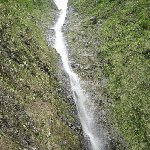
[(109, 44), (36, 112)]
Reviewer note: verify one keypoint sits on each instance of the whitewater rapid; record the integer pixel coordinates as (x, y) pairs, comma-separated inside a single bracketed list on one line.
[(79, 95)]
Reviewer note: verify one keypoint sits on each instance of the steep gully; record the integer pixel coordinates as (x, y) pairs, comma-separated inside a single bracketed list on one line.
[(79, 95)]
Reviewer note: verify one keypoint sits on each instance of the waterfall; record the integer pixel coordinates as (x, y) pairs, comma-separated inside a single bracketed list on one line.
[(79, 95)]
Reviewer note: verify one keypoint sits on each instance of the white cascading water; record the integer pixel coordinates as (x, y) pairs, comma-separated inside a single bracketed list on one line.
[(79, 95)]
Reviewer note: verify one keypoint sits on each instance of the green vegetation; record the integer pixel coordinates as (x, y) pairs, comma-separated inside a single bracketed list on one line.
[(123, 28), (32, 99)]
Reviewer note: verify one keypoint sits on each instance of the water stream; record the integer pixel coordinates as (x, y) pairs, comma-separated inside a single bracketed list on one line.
[(80, 96)]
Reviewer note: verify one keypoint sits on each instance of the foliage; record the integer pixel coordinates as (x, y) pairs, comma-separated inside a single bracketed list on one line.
[(31, 97), (124, 30)]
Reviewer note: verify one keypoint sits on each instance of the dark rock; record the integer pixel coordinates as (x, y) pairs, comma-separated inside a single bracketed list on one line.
[(94, 20), (27, 42)]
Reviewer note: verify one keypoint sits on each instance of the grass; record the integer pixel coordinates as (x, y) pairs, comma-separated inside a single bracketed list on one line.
[(31, 97), (124, 31)]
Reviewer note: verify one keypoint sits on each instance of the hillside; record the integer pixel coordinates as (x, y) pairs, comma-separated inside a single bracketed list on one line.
[(34, 112), (113, 37)]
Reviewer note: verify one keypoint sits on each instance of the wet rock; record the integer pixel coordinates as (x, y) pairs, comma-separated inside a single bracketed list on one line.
[(73, 65)]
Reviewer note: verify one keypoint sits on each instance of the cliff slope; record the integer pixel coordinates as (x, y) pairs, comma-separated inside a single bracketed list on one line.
[(32, 99), (111, 42)]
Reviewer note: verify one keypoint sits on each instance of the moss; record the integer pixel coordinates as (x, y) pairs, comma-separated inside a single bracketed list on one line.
[(30, 89), (123, 28)]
